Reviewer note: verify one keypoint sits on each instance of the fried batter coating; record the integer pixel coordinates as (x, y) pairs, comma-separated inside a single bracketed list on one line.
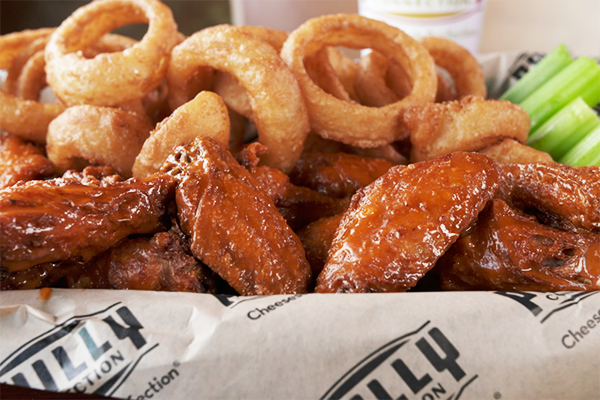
[(73, 218), (21, 161), (337, 175), (560, 196), (316, 239), (297, 204), (399, 226), (467, 125), (511, 151), (234, 227), (162, 262), (507, 250)]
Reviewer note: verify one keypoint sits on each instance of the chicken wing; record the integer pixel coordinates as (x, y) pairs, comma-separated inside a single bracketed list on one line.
[(337, 175), (316, 239), (72, 218), (507, 250), (21, 161), (560, 196), (396, 228), (161, 263), (297, 204), (234, 227)]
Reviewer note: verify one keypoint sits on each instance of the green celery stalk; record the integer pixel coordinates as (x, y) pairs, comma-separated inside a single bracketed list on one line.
[(586, 152), (565, 129), (581, 75), (591, 94), (546, 68)]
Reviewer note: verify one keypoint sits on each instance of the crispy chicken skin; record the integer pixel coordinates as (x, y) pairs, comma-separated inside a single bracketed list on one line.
[(21, 161), (561, 196), (338, 174), (508, 250), (162, 263), (316, 239), (234, 227), (399, 226), (77, 217), (297, 204), (467, 125)]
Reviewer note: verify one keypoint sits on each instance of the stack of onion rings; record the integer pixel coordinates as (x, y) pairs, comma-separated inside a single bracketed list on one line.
[(348, 122), (278, 110)]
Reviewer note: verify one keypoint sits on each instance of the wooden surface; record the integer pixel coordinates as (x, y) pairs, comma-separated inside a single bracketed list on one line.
[(16, 392)]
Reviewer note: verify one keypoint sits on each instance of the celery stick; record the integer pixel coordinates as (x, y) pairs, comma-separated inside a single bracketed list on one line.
[(567, 127), (546, 68), (567, 85), (586, 152), (591, 94)]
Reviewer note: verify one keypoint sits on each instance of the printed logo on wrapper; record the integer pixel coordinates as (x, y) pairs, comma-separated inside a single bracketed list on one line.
[(544, 306), (92, 353), (258, 312), (423, 364)]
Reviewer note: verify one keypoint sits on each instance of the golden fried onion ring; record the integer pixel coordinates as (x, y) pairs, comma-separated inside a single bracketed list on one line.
[(278, 110), (321, 71), (110, 78), (370, 84), (84, 135), (205, 115), (13, 43), (26, 119), (229, 88), (349, 122), (461, 65)]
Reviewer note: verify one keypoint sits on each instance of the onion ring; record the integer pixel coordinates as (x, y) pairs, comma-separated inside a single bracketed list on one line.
[(321, 71), (229, 88), (204, 116), (84, 135), (110, 79), (278, 110), (370, 83), (461, 65), (32, 79), (12, 44), (349, 122), (345, 69), (17, 65), (27, 119)]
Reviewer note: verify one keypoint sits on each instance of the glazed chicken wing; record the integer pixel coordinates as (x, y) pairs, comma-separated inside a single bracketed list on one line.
[(339, 174), (21, 161), (561, 196), (76, 217), (507, 250), (316, 239), (234, 227), (297, 204), (396, 228), (161, 262)]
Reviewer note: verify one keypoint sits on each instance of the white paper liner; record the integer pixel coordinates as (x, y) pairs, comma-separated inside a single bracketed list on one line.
[(468, 345)]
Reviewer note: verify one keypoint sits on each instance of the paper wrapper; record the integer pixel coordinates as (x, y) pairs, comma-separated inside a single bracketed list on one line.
[(142, 345)]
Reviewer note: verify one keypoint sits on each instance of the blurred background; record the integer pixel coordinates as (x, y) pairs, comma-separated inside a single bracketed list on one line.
[(508, 24)]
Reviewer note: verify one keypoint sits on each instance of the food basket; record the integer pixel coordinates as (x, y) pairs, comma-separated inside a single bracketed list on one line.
[(414, 345)]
